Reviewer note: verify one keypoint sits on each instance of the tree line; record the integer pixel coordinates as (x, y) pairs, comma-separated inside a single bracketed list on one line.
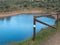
[(10, 5)]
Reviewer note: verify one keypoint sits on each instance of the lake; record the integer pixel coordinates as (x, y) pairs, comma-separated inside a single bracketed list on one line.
[(20, 27)]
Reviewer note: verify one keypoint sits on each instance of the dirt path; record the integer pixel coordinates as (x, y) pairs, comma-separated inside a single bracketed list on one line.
[(54, 40)]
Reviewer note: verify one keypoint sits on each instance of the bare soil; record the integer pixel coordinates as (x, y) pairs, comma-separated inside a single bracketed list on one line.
[(54, 40), (7, 14)]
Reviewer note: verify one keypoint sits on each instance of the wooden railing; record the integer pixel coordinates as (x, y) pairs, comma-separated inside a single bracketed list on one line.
[(35, 20)]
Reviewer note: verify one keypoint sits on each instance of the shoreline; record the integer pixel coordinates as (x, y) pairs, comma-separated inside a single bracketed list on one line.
[(13, 13)]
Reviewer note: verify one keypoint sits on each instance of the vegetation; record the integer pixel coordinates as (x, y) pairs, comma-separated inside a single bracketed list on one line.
[(40, 37), (10, 5)]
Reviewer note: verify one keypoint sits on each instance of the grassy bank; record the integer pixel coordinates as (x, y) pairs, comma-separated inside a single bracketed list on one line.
[(40, 37)]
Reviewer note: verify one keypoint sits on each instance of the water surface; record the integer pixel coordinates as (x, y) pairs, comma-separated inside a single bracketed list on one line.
[(20, 27)]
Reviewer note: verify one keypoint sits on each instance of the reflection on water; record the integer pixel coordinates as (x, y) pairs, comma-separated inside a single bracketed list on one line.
[(1, 19), (19, 28), (8, 18)]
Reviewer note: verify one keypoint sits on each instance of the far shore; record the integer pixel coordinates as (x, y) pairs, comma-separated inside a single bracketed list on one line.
[(13, 13)]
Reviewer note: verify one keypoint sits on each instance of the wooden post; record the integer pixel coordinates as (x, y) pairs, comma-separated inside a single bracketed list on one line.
[(57, 20), (34, 31), (35, 20)]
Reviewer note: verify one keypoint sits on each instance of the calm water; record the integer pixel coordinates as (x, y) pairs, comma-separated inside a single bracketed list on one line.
[(18, 28)]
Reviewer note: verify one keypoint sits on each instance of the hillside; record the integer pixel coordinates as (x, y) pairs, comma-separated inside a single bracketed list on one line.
[(10, 5)]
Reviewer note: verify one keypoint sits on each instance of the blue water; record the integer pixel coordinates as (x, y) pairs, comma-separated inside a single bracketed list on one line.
[(20, 27)]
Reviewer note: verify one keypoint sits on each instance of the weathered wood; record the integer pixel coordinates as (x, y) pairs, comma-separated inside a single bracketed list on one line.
[(57, 21), (34, 31), (45, 23), (42, 13), (35, 20)]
